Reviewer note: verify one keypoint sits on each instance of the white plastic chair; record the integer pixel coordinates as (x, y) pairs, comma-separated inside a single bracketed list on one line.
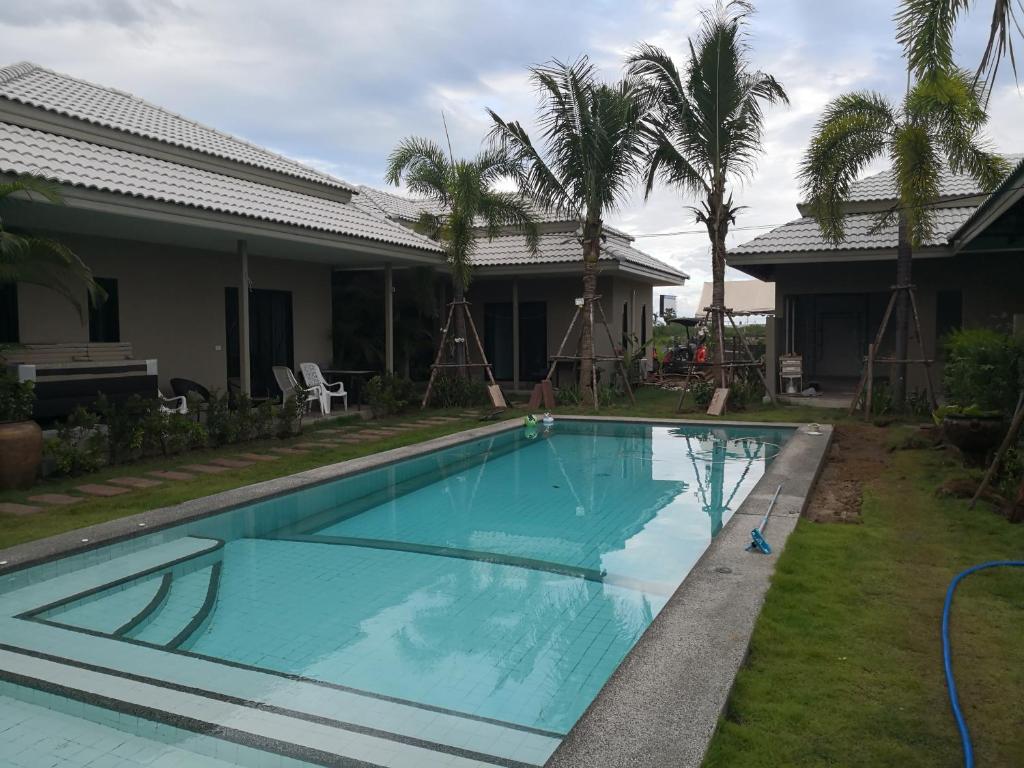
[(173, 404), (315, 379), (290, 386)]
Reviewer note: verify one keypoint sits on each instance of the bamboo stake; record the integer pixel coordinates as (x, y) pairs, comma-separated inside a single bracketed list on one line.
[(878, 342), (920, 343), (1018, 419), (870, 381), (561, 347), (440, 353), (622, 364)]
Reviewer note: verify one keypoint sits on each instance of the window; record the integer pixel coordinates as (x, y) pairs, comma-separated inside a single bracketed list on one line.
[(9, 313), (643, 325), (625, 324), (105, 315), (949, 312)]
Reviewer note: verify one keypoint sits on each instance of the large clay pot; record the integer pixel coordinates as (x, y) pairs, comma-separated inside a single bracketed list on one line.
[(21, 453), (976, 436)]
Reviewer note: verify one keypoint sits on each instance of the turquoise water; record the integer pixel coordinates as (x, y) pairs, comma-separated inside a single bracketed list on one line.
[(503, 579)]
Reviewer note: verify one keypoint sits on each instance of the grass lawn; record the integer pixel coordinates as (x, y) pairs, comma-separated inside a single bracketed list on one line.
[(845, 666)]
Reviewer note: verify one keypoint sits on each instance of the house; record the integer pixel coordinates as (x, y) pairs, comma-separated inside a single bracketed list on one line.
[(830, 299), (221, 258)]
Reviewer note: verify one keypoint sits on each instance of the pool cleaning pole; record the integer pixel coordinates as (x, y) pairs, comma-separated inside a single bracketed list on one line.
[(757, 539)]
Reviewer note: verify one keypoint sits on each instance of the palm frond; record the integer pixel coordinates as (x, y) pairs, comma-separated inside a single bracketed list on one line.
[(422, 164), (854, 130)]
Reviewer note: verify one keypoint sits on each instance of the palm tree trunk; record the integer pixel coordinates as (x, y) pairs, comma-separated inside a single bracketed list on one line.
[(717, 229), (904, 258), (459, 293), (591, 253)]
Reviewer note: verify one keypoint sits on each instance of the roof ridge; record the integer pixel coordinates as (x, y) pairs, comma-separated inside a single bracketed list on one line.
[(12, 72), (16, 71)]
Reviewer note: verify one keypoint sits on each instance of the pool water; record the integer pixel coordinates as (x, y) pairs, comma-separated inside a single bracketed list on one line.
[(498, 583)]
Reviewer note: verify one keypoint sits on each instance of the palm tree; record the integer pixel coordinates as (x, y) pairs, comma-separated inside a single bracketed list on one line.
[(591, 154), (939, 123), (27, 258), (705, 130), (925, 30), (466, 202)]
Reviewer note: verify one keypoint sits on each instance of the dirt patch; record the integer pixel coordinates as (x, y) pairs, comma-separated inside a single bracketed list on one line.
[(858, 456)]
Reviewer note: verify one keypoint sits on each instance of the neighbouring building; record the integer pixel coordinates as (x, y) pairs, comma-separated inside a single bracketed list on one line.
[(830, 299)]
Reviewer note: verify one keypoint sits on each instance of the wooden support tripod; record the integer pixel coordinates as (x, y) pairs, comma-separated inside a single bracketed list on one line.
[(692, 370), (438, 364), (560, 356), (867, 377)]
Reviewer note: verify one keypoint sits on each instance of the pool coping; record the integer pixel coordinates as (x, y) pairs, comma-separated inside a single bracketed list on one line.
[(640, 716)]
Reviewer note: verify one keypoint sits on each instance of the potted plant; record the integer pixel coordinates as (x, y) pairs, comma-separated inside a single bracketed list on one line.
[(982, 380), (21, 439)]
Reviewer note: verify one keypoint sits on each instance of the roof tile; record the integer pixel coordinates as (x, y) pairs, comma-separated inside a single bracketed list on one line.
[(82, 164), (35, 86)]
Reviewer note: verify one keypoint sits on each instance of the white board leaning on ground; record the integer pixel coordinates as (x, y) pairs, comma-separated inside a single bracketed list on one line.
[(743, 297)]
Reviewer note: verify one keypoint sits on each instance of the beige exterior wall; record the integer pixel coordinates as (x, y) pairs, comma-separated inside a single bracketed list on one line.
[(171, 303)]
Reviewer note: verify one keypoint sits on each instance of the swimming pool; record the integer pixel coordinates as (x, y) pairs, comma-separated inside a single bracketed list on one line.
[(462, 607)]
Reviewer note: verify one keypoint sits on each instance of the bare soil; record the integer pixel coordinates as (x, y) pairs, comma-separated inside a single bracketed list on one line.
[(858, 456)]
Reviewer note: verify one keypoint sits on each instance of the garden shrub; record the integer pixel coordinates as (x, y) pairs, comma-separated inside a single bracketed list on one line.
[(983, 369), (17, 398), (702, 392), (171, 433), (289, 417), (388, 394), (125, 426), (569, 396), (458, 392), (221, 424), (80, 445)]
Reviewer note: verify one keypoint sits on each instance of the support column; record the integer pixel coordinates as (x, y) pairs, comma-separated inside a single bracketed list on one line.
[(515, 333), (244, 363), (389, 320)]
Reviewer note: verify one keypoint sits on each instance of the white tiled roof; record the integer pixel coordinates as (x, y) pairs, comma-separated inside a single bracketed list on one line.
[(555, 248), (83, 164), (803, 235), (563, 248), (35, 86), (880, 186)]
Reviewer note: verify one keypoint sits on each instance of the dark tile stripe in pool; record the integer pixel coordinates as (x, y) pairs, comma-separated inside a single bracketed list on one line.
[(283, 748), (204, 610), (217, 546), (296, 678), (438, 551), (149, 609), (171, 719)]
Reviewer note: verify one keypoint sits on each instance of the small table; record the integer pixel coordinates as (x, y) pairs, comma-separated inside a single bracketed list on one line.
[(354, 385)]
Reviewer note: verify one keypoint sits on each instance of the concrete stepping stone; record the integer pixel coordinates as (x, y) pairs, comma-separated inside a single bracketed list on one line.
[(10, 508), (170, 474), (98, 489), (353, 440), (207, 469), (290, 451), (314, 445), (55, 499), (257, 457), (232, 463), (135, 482)]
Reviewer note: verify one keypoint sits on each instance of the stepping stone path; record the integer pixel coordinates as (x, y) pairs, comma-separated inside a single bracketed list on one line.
[(54, 499), (257, 457), (168, 474), (208, 469), (232, 463), (135, 482), (290, 451), (97, 489), (10, 508)]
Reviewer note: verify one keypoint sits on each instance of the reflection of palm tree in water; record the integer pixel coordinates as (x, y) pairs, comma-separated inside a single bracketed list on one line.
[(715, 506)]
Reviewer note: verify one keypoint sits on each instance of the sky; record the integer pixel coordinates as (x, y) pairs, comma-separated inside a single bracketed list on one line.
[(336, 84)]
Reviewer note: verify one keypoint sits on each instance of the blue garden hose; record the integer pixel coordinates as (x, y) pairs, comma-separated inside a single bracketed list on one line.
[(947, 660)]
